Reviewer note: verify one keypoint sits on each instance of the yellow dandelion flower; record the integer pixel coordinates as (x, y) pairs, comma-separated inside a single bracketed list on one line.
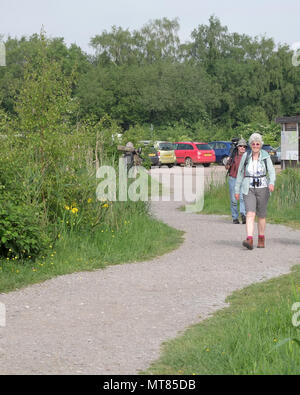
[(105, 205), (89, 200), (74, 210), (67, 207)]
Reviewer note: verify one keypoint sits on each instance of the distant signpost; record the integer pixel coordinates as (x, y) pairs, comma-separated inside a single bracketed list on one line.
[(290, 142)]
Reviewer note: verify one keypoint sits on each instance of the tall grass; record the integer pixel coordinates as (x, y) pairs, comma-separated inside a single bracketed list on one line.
[(284, 204)]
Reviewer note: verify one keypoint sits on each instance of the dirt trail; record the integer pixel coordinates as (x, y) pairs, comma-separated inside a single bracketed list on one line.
[(113, 321)]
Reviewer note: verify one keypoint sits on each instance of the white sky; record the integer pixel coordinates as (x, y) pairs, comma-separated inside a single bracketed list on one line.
[(77, 21)]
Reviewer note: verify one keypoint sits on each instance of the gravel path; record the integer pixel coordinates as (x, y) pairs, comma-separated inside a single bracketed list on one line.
[(113, 321)]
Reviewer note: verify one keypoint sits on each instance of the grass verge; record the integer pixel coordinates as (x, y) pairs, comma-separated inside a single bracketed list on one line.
[(140, 238), (254, 335)]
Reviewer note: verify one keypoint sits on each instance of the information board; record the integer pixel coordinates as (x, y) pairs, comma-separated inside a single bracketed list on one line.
[(290, 145)]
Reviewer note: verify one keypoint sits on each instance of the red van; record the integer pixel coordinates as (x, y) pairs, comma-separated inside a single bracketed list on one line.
[(190, 153)]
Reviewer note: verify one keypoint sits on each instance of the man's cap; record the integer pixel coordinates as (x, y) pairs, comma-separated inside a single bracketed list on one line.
[(242, 142)]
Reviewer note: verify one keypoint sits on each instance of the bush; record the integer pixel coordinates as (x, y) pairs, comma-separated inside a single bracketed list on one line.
[(21, 231), (48, 164)]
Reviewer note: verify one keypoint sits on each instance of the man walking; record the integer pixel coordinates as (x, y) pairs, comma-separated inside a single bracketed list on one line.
[(232, 166)]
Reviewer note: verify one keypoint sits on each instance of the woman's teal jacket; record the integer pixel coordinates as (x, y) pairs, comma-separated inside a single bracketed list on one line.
[(242, 183)]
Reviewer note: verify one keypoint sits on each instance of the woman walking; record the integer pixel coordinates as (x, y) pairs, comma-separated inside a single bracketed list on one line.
[(255, 179)]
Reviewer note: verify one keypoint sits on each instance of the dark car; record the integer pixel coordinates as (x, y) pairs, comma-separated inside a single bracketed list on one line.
[(222, 149), (278, 154), (272, 152), (153, 156)]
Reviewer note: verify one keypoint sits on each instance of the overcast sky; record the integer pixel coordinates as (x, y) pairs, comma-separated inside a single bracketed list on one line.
[(79, 20)]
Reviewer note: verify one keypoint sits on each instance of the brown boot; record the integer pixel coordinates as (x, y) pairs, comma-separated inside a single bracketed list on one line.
[(248, 243), (261, 242)]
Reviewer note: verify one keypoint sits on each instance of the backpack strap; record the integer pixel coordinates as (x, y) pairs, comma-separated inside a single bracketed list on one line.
[(266, 166), (247, 160)]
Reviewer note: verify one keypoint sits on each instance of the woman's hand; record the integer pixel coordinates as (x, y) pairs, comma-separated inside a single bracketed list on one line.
[(271, 187), (237, 196)]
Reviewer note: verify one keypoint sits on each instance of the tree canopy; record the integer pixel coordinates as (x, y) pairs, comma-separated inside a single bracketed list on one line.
[(148, 76)]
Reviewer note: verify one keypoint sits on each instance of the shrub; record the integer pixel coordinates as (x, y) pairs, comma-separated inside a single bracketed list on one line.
[(21, 231)]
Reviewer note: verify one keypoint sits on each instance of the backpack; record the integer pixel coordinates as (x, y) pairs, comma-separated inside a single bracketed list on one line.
[(231, 157)]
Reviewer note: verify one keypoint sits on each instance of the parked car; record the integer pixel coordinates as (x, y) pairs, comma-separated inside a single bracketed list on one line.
[(271, 151), (278, 155), (190, 153), (222, 150), (153, 156), (166, 153)]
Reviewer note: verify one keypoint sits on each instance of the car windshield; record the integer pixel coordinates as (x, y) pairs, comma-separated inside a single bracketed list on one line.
[(166, 146), (203, 147)]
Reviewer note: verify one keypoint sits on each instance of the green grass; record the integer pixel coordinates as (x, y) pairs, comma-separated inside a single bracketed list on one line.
[(139, 238), (243, 339), (283, 206)]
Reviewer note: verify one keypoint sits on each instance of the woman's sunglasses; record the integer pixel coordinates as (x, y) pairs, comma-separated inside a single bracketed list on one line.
[(243, 146), (255, 144)]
